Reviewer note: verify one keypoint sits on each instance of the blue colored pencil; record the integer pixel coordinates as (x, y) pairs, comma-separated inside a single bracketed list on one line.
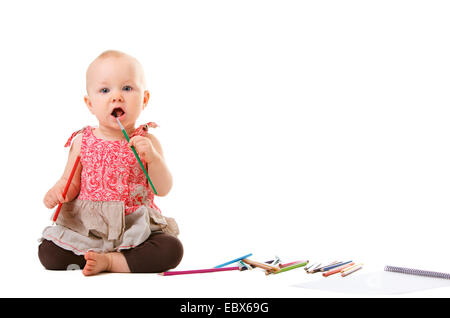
[(324, 269), (233, 261)]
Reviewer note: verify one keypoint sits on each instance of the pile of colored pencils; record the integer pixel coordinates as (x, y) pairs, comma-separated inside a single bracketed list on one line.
[(244, 263), (344, 268), (275, 266)]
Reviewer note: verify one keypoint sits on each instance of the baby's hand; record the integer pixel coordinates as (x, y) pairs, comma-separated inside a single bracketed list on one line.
[(144, 148), (54, 196)]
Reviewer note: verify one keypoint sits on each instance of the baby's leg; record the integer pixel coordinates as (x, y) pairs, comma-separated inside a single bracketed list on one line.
[(54, 257), (159, 253)]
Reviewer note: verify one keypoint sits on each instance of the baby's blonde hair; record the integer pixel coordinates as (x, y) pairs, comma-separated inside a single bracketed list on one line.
[(117, 54)]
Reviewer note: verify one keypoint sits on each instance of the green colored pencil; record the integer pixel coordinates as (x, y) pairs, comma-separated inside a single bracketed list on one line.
[(288, 268), (135, 153)]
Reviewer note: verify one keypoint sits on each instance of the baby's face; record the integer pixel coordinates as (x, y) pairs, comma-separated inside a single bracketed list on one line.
[(116, 83)]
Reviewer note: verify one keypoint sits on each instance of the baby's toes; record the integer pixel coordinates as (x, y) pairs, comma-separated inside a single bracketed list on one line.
[(90, 256)]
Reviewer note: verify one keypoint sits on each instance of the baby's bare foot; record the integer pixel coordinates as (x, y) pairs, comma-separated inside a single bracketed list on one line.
[(96, 263)]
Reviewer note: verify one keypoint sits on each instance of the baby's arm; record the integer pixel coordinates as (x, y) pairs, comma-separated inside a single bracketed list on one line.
[(54, 195), (150, 150), (158, 168)]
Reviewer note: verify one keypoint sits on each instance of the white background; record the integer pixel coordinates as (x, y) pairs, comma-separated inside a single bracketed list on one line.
[(305, 129)]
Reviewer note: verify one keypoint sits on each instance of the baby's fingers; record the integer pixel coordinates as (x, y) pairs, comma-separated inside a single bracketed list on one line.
[(50, 204), (61, 199), (47, 204), (137, 141), (132, 141)]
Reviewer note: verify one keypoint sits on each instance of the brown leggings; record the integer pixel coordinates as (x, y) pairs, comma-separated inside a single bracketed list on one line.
[(159, 253)]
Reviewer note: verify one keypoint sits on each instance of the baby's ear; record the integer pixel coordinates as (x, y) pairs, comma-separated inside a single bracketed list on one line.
[(88, 103), (146, 99)]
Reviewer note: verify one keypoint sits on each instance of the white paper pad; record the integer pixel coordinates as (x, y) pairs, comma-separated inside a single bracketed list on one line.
[(380, 282)]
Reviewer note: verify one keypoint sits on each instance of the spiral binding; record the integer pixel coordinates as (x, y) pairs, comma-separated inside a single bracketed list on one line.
[(418, 272)]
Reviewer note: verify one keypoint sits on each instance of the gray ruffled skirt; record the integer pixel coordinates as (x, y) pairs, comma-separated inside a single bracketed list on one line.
[(102, 226)]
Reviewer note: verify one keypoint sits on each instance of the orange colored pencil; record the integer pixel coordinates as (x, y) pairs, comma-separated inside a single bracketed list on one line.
[(261, 265)]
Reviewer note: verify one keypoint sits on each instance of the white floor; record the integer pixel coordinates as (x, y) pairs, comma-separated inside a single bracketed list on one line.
[(37, 282)]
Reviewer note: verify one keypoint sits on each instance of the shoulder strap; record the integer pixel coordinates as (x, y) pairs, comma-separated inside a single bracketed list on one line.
[(143, 129), (69, 141)]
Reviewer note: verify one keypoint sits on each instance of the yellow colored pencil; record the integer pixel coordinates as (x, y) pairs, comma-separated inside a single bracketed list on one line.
[(351, 269)]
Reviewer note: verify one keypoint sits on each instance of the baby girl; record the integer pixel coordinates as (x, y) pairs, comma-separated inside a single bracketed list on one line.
[(108, 220)]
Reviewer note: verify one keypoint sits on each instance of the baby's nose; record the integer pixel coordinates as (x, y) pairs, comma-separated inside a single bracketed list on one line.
[(117, 98)]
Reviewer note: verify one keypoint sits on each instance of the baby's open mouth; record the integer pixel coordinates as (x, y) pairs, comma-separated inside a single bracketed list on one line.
[(117, 112)]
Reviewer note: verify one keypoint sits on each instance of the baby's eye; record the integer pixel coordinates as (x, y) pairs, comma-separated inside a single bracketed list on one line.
[(104, 90), (127, 88)]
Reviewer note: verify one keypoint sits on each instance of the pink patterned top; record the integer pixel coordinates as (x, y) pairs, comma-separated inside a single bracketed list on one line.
[(111, 172)]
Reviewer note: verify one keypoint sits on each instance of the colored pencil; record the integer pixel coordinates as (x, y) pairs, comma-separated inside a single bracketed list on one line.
[(324, 269), (313, 267), (275, 261), (318, 269), (74, 168), (200, 271), (350, 270), (136, 155), (286, 268), (261, 265), (289, 264), (292, 263), (246, 266), (286, 265), (233, 261), (337, 270)]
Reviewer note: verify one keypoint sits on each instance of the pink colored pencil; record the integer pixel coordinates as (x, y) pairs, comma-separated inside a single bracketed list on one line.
[(201, 271), (291, 263)]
